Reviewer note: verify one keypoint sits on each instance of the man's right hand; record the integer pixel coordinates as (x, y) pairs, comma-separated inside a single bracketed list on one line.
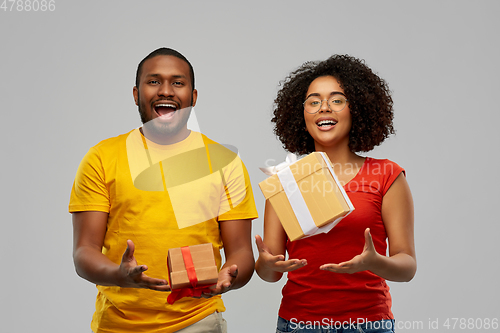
[(89, 230), (131, 275)]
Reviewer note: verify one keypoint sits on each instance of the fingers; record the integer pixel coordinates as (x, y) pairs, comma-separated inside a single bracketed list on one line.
[(354, 265), (277, 262), (128, 255), (290, 265), (275, 259), (264, 249), (214, 290), (133, 274), (137, 270), (226, 280), (159, 287), (368, 238), (129, 264), (233, 271), (138, 279), (334, 267), (328, 267), (261, 246), (232, 274), (344, 267), (259, 242), (265, 252), (155, 284)]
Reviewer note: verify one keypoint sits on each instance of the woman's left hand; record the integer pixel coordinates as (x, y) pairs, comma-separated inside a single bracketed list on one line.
[(359, 263)]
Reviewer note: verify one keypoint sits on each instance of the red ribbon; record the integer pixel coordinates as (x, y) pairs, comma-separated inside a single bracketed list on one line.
[(177, 294), (192, 291), (188, 262)]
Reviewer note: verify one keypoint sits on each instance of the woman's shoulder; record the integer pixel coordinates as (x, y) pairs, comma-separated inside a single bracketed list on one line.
[(380, 161), (382, 171), (382, 166)]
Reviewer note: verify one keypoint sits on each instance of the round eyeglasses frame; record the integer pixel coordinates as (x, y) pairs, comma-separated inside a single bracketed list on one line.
[(327, 102)]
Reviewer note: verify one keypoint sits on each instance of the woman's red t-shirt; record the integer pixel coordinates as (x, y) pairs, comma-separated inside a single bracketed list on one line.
[(311, 294)]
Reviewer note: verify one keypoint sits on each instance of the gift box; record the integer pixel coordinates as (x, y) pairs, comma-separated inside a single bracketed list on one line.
[(307, 196), (192, 266)]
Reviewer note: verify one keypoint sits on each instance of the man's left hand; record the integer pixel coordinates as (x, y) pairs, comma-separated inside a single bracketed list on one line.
[(227, 276)]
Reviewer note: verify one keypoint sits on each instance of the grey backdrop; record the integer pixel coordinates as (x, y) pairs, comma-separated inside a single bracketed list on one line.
[(66, 83)]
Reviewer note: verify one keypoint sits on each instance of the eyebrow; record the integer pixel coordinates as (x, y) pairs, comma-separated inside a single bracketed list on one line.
[(331, 94), (174, 76)]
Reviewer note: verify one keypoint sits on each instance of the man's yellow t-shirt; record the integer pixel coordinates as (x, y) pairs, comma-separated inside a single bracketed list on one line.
[(160, 197)]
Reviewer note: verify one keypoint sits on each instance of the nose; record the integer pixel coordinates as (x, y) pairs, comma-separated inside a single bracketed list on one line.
[(324, 106), (165, 89)]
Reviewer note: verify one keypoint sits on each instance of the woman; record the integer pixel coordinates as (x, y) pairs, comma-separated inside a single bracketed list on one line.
[(337, 280)]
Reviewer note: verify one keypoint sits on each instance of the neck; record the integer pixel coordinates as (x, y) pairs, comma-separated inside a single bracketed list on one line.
[(338, 154), (345, 163), (164, 139)]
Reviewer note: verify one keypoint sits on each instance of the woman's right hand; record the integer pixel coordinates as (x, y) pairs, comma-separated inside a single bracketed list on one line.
[(276, 263)]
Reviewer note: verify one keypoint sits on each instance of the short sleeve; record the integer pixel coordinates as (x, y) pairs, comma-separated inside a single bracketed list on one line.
[(391, 173), (238, 193), (89, 192)]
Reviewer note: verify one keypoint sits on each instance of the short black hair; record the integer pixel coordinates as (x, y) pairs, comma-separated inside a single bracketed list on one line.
[(370, 103), (165, 51)]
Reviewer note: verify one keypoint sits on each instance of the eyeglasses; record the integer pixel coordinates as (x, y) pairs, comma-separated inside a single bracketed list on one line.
[(336, 103)]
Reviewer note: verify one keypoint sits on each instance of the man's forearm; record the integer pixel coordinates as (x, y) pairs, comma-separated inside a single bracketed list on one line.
[(95, 267), (244, 259)]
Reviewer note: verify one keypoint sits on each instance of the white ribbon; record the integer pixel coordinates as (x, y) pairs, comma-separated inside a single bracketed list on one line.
[(339, 185), (297, 201), (291, 189), (272, 170), (329, 226)]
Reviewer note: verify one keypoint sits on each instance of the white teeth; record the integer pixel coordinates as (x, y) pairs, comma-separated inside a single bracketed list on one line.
[(166, 106), (326, 123)]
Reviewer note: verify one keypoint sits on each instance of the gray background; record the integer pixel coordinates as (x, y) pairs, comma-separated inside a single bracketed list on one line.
[(66, 83)]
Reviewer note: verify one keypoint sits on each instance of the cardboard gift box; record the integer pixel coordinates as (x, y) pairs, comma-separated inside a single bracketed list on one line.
[(307, 196), (192, 266)]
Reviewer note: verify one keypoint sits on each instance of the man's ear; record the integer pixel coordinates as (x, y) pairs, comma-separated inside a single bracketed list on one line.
[(136, 95), (195, 97)]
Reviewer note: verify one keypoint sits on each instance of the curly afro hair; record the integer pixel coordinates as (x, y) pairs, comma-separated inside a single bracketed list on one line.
[(369, 98)]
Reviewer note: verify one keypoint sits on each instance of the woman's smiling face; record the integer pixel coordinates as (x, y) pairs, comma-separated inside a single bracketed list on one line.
[(326, 127)]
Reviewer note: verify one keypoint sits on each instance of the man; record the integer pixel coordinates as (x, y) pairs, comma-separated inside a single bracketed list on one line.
[(159, 187)]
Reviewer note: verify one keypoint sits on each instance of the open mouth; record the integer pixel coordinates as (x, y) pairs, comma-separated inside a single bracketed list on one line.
[(165, 109), (326, 123)]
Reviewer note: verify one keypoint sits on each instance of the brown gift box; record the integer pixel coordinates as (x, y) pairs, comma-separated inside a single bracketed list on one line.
[(324, 197), (204, 264)]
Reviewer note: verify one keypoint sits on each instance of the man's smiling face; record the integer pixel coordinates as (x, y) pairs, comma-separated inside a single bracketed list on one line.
[(165, 97)]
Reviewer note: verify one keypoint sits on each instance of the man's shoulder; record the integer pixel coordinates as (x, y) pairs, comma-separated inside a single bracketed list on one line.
[(113, 142)]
